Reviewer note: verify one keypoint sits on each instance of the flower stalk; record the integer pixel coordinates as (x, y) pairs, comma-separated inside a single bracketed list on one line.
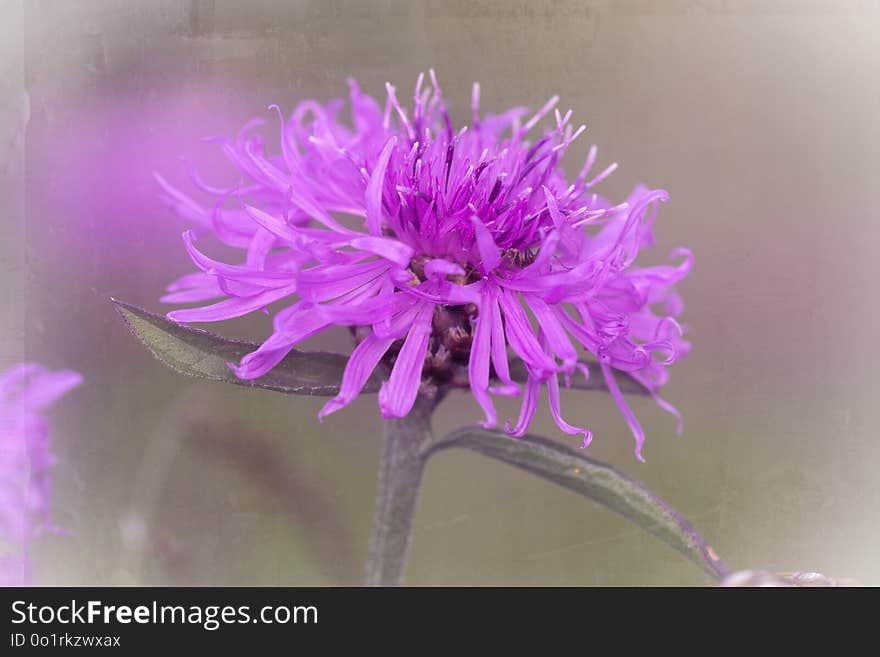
[(400, 476)]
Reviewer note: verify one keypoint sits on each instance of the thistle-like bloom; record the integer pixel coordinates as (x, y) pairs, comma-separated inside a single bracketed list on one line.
[(443, 249), (26, 390)]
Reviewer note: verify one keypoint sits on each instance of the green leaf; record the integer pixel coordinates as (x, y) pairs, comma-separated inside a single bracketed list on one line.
[(201, 354), (594, 480)]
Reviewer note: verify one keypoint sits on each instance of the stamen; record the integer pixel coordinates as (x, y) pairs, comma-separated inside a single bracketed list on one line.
[(400, 111), (591, 160), (540, 114), (446, 119), (494, 193), (602, 176), (590, 215), (475, 105), (568, 140)]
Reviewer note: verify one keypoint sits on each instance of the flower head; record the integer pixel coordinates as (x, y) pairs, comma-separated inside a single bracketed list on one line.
[(26, 390), (443, 249)]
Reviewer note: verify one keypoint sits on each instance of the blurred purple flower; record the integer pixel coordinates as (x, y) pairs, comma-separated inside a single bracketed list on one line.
[(441, 248), (26, 390)]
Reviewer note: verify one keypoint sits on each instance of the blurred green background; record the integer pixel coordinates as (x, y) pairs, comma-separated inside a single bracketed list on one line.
[(760, 118)]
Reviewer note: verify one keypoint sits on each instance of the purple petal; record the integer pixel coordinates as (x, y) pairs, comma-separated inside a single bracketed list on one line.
[(439, 268), (323, 283), (274, 225), (360, 366), (499, 350), (398, 394), (556, 336), (255, 277), (259, 247), (183, 205), (390, 249), (299, 324), (528, 408), (478, 363), (230, 308), (374, 189), (490, 257), (521, 337), (628, 415), (556, 412), (44, 386)]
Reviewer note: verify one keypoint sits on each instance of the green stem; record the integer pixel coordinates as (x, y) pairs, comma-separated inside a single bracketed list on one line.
[(400, 476)]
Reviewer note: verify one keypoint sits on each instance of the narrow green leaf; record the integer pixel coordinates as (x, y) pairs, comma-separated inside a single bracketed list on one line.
[(201, 354), (599, 482)]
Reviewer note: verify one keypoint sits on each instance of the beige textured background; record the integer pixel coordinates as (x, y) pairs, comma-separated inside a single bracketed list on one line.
[(760, 118)]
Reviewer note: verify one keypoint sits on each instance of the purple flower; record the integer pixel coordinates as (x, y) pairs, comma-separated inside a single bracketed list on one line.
[(443, 249), (26, 390)]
